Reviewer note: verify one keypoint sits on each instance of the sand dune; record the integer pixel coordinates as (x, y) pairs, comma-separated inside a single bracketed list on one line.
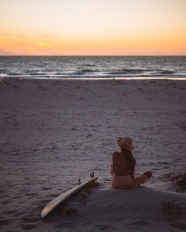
[(121, 210)]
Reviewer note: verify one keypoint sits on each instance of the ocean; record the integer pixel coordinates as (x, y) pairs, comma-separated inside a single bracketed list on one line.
[(93, 67)]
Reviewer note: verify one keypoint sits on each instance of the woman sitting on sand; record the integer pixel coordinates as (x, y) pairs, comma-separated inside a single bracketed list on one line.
[(123, 167)]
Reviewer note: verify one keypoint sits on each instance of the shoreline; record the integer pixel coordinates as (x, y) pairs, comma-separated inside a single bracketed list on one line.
[(100, 78)]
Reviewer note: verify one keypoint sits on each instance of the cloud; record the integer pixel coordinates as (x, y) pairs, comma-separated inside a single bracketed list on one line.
[(6, 53), (10, 34), (5, 34), (50, 35), (47, 36), (21, 36)]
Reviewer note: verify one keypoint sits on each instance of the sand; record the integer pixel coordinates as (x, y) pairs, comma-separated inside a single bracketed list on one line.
[(56, 131)]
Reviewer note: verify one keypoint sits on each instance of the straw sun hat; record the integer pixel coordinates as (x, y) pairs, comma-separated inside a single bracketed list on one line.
[(125, 143)]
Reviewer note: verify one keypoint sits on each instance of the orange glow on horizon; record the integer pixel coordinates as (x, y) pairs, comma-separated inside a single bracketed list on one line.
[(102, 46)]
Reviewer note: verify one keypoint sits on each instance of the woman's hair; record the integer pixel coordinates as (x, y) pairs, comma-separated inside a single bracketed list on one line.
[(125, 151), (130, 158)]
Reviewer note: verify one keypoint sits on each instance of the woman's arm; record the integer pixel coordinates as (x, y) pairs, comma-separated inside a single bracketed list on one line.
[(113, 164), (133, 165)]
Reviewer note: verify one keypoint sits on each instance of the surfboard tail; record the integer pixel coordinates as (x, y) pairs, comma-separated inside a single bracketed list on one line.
[(92, 175)]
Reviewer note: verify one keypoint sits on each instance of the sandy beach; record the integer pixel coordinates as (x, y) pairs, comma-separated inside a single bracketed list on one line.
[(54, 132)]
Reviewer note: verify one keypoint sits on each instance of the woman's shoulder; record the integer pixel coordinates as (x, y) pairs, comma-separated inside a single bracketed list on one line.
[(115, 153)]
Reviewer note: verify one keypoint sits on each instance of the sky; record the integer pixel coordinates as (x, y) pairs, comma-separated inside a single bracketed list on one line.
[(92, 27)]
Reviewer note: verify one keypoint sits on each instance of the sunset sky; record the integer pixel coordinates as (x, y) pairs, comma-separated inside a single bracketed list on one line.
[(92, 27)]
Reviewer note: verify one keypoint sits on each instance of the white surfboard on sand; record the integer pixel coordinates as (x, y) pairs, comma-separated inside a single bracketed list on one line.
[(64, 196)]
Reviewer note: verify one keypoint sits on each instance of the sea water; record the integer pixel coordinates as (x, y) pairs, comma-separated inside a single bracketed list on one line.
[(93, 66)]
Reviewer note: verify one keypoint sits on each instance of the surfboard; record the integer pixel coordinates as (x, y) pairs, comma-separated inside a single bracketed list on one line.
[(64, 196)]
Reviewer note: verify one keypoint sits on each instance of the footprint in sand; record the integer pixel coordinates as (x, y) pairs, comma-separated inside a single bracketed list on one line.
[(103, 227), (29, 227), (4, 223), (139, 223), (178, 225)]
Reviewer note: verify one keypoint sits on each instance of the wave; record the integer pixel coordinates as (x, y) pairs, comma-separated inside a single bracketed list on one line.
[(127, 71), (88, 70), (146, 72), (165, 72)]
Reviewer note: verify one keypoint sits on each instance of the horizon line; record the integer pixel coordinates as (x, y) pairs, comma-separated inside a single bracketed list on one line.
[(91, 55)]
